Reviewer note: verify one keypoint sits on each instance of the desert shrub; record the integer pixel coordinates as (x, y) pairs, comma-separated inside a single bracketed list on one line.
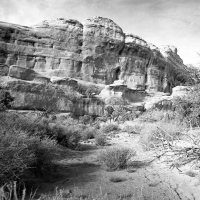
[(156, 115), (5, 99), (134, 128), (88, 133), (100, 139), (116, 108), (86, 119), (21, 154), (157, 134), (68, 136), (147, 136), (187, 108), (107, 128), (97, 125), (129, 116), (116, 158)]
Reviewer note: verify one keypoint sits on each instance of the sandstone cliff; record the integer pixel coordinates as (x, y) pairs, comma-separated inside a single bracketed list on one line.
[(97, 51)]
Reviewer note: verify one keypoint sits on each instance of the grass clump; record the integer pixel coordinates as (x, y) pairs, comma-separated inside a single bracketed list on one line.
[(160, 134), (117, 179), (100, 140), (156, 115), (89, 133), (133, 128), (107, 128), (116, 158)]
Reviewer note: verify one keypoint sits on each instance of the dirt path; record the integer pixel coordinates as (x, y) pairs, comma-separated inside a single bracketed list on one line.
[(145, 180)]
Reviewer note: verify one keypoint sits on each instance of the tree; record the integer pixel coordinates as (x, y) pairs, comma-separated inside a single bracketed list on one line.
[(116, 107)]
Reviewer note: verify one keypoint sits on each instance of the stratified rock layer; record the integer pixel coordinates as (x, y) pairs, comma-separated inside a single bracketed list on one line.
[(45, 62), (60, 98), (97, 51)]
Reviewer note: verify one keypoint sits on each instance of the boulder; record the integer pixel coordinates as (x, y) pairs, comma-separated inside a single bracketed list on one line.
[(180, 91), (41, 96), (120, 90), (65, 81), (26, 74)]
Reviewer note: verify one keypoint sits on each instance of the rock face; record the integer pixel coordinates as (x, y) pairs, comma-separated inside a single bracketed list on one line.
[(102, 42), (97, 51), (50, 48), (31, 95), (120, 90), (26, 74)]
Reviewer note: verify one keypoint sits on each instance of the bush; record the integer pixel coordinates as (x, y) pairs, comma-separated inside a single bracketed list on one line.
[(86, 119), (88, 133), (21, 155), (135, 128), (116, 158), (157, 115), (100, 139), (5, 99), (107, 128), (157, 134), (68, 136), (187, 108), (116, 108)]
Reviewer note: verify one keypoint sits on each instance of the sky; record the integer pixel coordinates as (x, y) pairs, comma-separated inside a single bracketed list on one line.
[(161, 22)]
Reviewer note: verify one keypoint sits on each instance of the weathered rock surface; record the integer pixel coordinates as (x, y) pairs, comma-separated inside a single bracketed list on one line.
[(45, 62), (102, 43), (97, 51), (50, 48), (120, 90), (31, 95), (164, 101), (26, 74)]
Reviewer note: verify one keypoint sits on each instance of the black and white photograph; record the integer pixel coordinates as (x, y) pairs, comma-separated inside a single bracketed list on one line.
[(99, 99)]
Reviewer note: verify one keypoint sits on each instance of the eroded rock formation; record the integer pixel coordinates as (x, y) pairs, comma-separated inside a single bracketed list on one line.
[(50, 57), (97, 50)]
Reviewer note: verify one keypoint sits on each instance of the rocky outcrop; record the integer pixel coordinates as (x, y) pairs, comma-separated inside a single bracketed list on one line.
[(164, 101), (120, 90), (97, 51), (45, 64), (51, 48), (29, 95), (102, 42), (26, 74)]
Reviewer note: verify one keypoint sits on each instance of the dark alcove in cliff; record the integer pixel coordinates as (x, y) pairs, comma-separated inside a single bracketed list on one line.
[(117, 73)]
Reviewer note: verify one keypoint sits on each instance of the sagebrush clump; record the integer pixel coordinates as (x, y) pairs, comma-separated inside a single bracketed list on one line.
[(100, 139), (107, 128), (154, 135), (116, 158), (22, 154)]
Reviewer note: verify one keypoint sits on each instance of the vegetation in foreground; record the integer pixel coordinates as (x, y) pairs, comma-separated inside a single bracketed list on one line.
[(116, 158), (25, 143)]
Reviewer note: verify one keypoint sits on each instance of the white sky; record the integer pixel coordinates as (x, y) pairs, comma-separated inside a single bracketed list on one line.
[(161, 22)]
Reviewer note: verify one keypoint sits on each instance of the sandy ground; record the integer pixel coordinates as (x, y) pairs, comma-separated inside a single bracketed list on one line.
[(144, 180)]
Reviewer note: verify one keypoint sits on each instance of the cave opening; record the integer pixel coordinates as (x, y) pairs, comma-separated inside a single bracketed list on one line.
[(117, 73)]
